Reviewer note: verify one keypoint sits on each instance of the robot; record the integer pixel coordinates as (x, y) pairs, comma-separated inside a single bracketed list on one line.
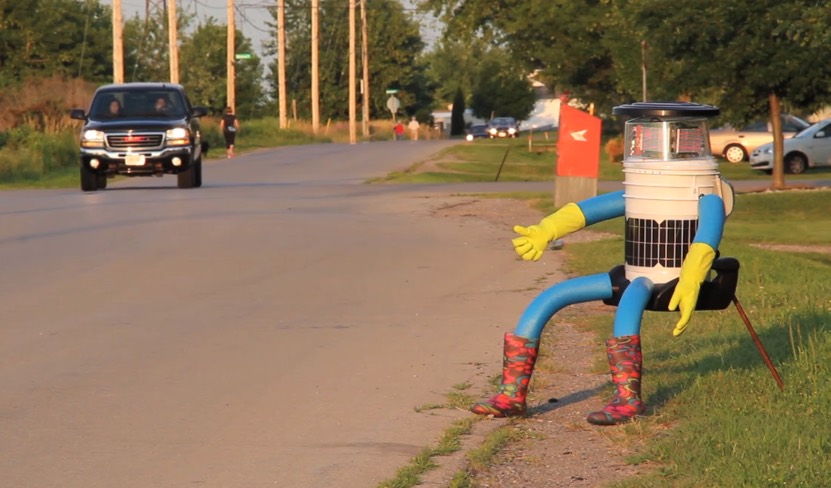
[(674, 204)]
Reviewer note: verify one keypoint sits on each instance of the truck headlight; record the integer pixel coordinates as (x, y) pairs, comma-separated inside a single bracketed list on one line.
[(512, 131), (92, 138), (177, 137), (492, 130)]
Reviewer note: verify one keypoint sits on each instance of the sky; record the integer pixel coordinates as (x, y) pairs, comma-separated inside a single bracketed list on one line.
[(251, 16)]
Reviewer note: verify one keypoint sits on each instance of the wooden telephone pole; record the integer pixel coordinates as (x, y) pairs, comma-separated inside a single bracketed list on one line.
[(118, 43), (281, 62), (315, 63), (173, 44), (231, 88), (365, 78), (353, 136)]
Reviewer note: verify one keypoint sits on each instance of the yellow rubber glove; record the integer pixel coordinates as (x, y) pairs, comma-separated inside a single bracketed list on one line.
[(534, 239), (694, 271)]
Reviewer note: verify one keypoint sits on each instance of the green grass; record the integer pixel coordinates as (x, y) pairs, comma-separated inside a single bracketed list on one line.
[(722, 420), (480, 161)]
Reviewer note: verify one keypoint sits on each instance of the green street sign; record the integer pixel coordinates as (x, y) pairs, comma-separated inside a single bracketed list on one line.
[(390, 91), (243, 56)]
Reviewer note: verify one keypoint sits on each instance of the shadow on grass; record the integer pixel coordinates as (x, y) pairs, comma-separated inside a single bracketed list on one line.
[(742, 356)]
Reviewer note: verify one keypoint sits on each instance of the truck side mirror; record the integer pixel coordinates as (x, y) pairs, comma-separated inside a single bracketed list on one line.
[(200, 111), (78, 114)]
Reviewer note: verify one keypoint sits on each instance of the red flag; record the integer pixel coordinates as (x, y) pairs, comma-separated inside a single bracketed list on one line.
[(579, 145)]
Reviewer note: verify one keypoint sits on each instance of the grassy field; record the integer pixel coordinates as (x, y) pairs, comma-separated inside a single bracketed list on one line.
[(716, 415), (486, 160), (31, 159)]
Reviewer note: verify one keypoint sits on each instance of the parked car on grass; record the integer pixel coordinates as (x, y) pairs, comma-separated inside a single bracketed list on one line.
[(477, 131), (140, 129), (807, 149), (735, 145), (503, 127)]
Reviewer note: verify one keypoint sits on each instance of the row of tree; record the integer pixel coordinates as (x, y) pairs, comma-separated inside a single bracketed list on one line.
[(751, 58), (73, 39)]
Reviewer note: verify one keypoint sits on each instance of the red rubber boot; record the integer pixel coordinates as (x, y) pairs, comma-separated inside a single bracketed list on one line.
[(518, 363), (625, 362)]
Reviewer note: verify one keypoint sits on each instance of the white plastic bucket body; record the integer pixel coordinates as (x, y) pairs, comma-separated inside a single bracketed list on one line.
[(661, 211)]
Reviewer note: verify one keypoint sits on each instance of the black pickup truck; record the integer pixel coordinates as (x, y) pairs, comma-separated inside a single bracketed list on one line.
[(140, 129)]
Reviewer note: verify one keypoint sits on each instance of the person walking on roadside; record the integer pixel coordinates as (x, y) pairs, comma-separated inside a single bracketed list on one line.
[(413, 126), (229, 127), (399, 131)]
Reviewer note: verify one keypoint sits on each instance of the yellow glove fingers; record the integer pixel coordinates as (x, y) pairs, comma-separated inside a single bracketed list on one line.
[(522, 245), (523, 231)]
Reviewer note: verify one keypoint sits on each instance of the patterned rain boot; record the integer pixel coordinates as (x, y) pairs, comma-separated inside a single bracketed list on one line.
[(518, 364), (625, 361)]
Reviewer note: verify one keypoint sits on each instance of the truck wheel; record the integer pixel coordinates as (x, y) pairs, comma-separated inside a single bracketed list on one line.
[(186, 179), (89, 180), (197, 173), (101, 181)]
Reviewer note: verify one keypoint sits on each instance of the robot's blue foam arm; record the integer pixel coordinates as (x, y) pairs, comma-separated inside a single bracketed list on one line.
[(710, 220), (552, 300), (630, 309), (602, 207)]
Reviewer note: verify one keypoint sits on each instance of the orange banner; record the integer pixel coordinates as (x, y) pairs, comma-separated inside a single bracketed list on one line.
[(578, 148)]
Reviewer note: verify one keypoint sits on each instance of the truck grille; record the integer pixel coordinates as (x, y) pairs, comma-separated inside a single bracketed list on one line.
[(135, 141)]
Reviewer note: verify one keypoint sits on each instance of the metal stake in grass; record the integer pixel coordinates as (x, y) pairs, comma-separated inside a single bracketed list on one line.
[(759, 345)]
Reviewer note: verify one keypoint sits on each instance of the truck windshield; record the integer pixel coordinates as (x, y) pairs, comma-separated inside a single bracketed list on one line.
[(130, 104)]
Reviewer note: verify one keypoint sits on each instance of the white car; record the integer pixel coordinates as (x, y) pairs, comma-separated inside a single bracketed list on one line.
[(807, 149), (736, 144)]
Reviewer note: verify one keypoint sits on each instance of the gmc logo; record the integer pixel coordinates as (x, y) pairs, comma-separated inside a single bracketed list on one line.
[(132, 138)]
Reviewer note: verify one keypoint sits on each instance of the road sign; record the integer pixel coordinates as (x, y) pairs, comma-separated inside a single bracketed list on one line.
[(391, 91), (393, 104), (242, 56)]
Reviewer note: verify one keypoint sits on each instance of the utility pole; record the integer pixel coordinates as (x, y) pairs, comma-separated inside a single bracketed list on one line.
[(118, 43), (231, 83), (281, 61), (315, 63), (365, 78), (353, 136), (644, 47), (173, 44)]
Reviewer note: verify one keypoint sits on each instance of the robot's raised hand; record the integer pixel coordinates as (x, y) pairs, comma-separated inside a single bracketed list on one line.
[(535, 239), (694, 271), (532, 241)]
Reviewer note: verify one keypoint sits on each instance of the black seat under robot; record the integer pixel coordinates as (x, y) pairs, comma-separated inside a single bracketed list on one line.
[(715, 294)]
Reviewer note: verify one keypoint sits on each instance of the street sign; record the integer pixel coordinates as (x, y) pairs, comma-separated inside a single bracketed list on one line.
[(242, 56), (391, 91), (393, 104)]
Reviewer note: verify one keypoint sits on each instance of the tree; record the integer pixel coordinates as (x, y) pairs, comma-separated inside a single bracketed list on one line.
[(45, 38), (204, 70), (395, 46), (705, 51), (457, 116), (500, 91), (561, 41)]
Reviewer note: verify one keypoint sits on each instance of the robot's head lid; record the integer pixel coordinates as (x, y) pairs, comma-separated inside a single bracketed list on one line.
[(666, 109)]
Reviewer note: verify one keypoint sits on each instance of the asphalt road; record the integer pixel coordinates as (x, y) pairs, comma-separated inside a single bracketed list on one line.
[(277, 327)]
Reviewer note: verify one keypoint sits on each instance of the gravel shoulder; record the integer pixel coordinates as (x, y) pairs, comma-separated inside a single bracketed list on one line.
[(555, 447)]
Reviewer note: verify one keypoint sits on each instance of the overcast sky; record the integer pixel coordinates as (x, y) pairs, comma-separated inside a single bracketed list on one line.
[(251, 16)]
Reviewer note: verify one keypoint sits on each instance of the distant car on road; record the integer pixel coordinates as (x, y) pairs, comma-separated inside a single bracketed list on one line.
[(735, 145), (477, 131), (807, 149), (503, 127)]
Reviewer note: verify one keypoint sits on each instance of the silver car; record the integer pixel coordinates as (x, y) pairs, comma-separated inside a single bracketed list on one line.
[(735, 145), (807, 149)]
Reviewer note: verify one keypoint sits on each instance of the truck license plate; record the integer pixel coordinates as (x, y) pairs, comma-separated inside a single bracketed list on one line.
[(134, 160)]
